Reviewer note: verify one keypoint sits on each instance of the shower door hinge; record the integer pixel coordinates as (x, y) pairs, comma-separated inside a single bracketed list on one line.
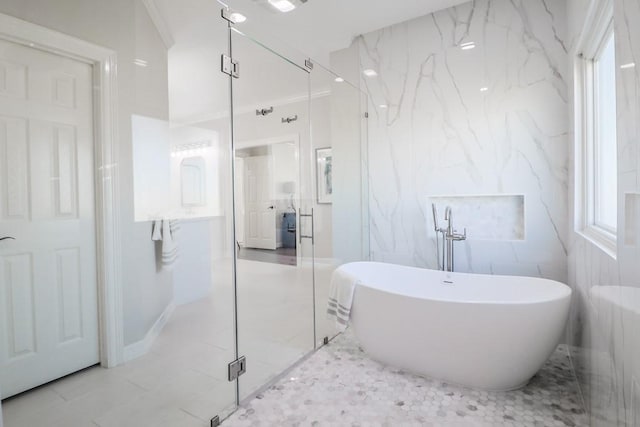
[(226, 15), (215, 421), (308, 64), (229, 66), (237, 368), (366, 115)]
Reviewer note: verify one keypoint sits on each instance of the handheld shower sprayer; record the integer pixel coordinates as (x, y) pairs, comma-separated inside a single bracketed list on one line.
[(438, 230)]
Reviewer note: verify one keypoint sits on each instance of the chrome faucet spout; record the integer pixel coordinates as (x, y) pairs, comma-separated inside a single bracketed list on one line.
[(448, 216), (448, 236), (451, 236)]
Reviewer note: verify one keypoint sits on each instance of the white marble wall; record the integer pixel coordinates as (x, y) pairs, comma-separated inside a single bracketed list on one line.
[(442, 135), (605, 316)]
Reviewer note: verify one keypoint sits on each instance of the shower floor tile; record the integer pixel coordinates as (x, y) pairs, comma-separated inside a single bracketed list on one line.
[(340, 386)]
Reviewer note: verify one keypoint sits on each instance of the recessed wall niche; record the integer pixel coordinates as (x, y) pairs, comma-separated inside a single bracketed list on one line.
[(486, 217)]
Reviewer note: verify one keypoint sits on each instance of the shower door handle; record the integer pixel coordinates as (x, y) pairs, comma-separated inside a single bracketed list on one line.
[(7, 238), (303, 236)]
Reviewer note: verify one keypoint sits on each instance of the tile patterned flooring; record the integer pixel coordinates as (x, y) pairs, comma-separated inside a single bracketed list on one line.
[(340, 386), (182, 381), (286, 256)]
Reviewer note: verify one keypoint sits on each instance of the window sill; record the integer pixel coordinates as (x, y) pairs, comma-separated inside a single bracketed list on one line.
[(604, 240)]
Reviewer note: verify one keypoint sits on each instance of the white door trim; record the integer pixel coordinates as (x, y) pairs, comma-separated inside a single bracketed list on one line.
[(292, 137), (110, 311)]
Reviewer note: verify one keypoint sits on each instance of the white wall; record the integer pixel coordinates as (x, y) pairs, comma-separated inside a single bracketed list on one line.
[(349, 199), (604, 323), (442, 135), (322, 136), (198, 270), (151, 167), (124, 26)]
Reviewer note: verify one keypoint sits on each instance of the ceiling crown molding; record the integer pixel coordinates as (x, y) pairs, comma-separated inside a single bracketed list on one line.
[(159, 22)]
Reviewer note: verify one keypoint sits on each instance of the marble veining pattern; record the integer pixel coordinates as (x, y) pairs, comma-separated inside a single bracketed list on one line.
[(340, 386), (489, 120)]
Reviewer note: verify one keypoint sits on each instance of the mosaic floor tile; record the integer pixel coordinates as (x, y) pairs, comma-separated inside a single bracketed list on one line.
[(340, 386)]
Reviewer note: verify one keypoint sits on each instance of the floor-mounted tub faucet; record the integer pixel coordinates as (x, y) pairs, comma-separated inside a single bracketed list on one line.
[(448, 235), (451, 236)]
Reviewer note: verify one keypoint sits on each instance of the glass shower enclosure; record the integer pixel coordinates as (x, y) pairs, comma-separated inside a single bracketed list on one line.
[(238, 184)]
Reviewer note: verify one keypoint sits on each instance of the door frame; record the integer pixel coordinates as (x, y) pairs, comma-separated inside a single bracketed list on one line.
[(281, 139), (106, 185)]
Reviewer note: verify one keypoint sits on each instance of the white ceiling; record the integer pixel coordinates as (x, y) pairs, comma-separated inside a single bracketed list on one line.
[(314, 29), (198, 34), (322, 26)]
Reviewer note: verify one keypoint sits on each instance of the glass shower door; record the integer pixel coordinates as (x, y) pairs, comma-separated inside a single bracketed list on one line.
[(183, 181), (124, 194), (273, 222), (338, 135)]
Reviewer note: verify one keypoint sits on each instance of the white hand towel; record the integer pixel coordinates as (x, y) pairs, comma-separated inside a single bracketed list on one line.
[(343, 286), (169, 246), (156, 233), (174, 225)]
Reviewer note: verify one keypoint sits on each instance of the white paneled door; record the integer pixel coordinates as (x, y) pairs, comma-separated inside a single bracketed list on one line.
[(260, 209), (48, 291)]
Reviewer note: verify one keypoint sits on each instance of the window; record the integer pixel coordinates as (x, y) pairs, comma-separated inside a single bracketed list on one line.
[(605, 197), (596, 145)]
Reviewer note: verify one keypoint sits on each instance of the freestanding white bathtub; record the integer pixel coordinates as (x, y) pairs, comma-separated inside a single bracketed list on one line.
[(480, 331)]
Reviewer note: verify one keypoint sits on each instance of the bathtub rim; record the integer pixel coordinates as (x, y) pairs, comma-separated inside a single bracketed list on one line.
[(566, 291)]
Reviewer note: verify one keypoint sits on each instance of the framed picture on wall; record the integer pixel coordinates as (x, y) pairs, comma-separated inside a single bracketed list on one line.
[(324, 175)]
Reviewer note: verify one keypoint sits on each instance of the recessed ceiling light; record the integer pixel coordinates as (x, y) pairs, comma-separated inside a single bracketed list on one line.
[(339, 79), (282, 5), (237, 17), (629, 65), (484, 89), (467, 45), (140, 62), (382, 106), (369, 72)]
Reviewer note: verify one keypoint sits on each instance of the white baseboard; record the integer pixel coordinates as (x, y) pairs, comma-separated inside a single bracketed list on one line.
[(142, 347)]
